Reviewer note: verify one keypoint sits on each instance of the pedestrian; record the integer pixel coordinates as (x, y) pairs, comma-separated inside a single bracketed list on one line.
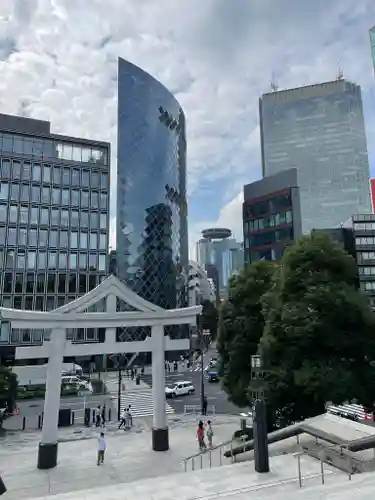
[(101, 448), (97, 417), (130, 416), (205, 402), (209, 433), (103, 415), (123, 419), (132, 374), (200, 436)]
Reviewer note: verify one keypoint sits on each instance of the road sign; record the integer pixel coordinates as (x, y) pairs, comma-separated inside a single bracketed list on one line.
[(206, 332)]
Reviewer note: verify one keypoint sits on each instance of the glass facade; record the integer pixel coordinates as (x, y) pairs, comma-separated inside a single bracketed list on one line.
[(152, 240), (319, 130), (226, 255), (54, 225)]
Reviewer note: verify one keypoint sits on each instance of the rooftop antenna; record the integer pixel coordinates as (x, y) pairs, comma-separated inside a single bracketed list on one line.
[(273, 84), (340, 75)]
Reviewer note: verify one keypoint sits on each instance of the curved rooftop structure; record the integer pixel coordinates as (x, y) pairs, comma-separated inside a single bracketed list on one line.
[(216, 233)]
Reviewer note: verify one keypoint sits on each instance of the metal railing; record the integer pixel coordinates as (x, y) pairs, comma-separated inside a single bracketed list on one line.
[(208, 452), (197, 410)]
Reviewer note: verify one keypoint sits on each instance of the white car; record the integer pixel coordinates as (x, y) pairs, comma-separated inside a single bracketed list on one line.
[(179, 389)]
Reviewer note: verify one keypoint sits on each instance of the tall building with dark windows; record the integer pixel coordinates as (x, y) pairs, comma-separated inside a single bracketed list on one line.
[(152, 239), (271, 216), (319, 130), (54, 221)]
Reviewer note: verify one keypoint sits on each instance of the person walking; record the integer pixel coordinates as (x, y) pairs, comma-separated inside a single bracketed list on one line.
[(130, 416), (103, 415), (200, 436), (123, 419), (209, 433), (97, 417), (101, 448)]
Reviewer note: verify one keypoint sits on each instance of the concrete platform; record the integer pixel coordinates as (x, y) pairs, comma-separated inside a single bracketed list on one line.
[(128, 458), (232, 481)]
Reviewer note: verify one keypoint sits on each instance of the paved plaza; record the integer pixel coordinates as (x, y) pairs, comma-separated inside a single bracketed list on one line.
[(132, 470)]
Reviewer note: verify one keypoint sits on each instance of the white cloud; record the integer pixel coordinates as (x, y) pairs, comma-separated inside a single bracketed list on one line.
[(58, 61)]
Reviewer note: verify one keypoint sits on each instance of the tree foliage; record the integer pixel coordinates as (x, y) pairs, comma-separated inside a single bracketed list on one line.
[(318, 339), (209, 317), (241, 326)]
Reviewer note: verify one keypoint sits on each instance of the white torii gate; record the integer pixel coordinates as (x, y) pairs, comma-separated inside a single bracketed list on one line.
[(74, 315)]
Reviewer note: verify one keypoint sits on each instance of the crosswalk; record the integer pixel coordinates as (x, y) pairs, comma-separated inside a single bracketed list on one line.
[(141, 403)]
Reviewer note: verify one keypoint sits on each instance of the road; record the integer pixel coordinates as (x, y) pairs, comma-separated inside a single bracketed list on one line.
[(140, 398), (215, 395)]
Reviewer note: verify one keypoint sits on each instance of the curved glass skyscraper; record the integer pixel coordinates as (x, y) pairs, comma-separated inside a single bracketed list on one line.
[(152, 241)]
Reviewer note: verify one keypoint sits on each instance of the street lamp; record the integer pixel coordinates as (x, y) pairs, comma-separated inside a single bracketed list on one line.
[(257, 386)]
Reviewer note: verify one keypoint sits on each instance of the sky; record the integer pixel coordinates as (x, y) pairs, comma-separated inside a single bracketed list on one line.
[(58, 62)]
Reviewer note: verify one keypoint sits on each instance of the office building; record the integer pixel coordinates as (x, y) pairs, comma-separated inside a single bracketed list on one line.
[(201, 287), (152, 239), (54, 221), (216, 249), (357, 235), (271, 216), (372, 45), (319, 129)]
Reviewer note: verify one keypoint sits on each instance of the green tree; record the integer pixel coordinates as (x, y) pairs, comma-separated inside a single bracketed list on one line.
[(209, 317), (318, 340), (240, 328), (8, 388)]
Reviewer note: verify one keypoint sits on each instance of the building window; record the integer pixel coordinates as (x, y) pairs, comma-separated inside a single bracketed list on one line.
[(95, 179), (65, 200), (31, 260), (4, 191), (103, 242), (82, 260), (15, 192), (93, 241), (42, 260), (102, 262), (73, 261), (16, 170), (34, 215), (64, 218), (103, 221), (36, 173), (83, 241), (55, 217), (75, 198), (24, 215), (12, 236), (44, 216), (26, 171), (43, 238), (103, 201), (33, 238), (84, 219), (370, 240), (63, 257), (13, 214), (3, 214), (47, 174), (85, 178)]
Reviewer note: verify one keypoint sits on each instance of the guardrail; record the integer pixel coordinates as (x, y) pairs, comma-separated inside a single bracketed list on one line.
[(197, 410), (208, 452)]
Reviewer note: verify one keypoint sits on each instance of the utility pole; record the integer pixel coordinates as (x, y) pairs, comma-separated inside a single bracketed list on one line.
[(257, 386), (200, 336)]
